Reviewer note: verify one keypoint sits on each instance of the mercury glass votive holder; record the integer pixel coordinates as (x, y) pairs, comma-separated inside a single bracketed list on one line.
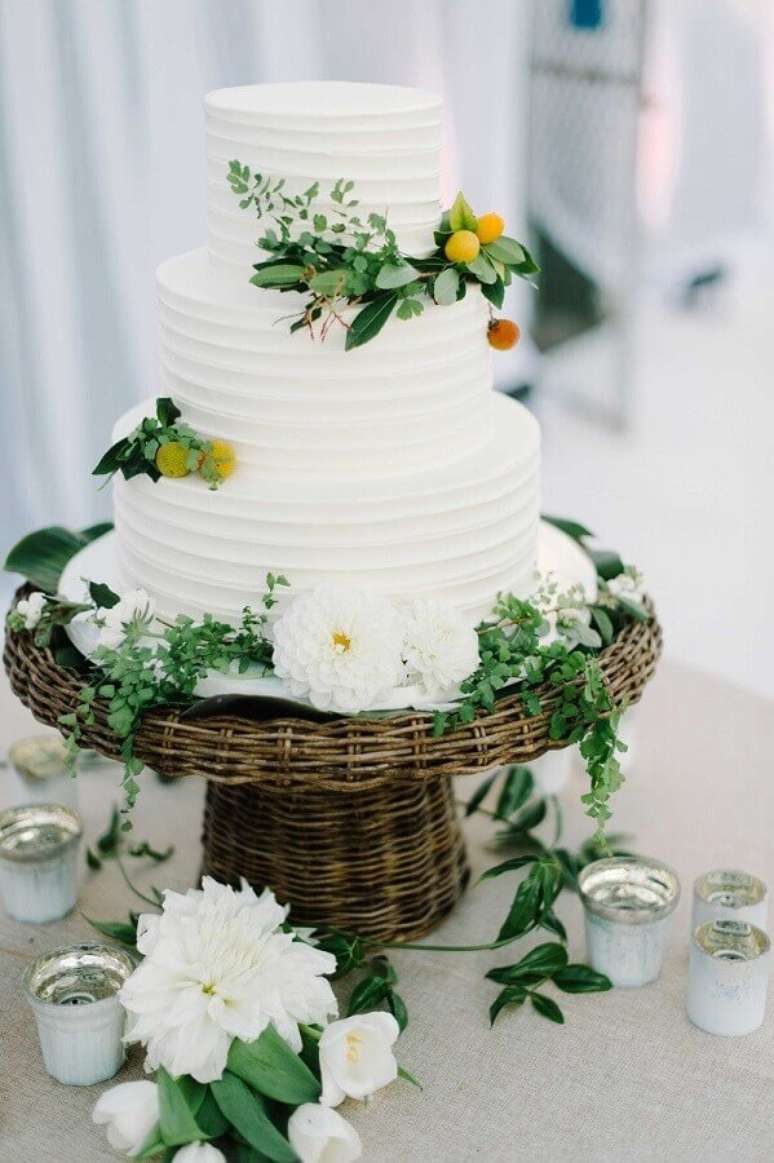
[(39, 772), (627, 905), (39, 861), (725, 894), (73, 993), (728, 977)]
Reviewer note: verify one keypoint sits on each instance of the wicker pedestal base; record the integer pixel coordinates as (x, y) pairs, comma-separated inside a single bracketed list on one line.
[(351, 821), (387, 862)]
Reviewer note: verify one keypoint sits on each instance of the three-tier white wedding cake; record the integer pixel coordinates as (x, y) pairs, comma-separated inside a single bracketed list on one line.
[(392, 467)]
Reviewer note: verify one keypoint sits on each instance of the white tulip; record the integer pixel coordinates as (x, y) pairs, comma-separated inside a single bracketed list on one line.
[(356, 1056), (318, 1134), (130, 1113), (198, 1153)]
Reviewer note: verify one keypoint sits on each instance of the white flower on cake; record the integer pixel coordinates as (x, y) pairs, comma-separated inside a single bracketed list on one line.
[(130, 1112), (318, 1134), (217, 966), (339, 648), (133, 613), (31, 609), (356, 1056), (439, 647)]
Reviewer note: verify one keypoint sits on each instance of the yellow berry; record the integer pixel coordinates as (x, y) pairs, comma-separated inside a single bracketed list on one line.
[(490, 227), (172, 459), (503, 334), (463, 246), (221, 460)]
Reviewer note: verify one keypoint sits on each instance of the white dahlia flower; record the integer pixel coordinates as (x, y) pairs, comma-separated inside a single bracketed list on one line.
[(31, 609), (217, 966), (439, 647), (340, 648), (627, 585), (134, 611)]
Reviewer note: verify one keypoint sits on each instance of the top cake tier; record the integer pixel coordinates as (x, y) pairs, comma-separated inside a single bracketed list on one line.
[(384, 138)]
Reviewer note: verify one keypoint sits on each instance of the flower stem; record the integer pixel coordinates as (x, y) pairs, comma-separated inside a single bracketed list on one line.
[(148, 900), (447, 948)]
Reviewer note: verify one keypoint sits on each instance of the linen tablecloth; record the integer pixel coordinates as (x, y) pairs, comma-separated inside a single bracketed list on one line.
[(627, 1078)]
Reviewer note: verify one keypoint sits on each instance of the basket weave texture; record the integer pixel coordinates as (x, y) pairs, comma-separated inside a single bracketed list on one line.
[(352, 821)]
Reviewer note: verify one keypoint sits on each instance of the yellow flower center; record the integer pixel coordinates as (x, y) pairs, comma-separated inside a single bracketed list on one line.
[(209, 989), (354, 1042), (341, 641)]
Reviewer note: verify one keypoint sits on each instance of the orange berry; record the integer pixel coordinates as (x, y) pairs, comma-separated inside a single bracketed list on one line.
[(490, 227), (463, 246), (503, 334)]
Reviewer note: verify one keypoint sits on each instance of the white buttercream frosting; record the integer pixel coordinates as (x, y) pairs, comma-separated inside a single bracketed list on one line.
[(393, 467)]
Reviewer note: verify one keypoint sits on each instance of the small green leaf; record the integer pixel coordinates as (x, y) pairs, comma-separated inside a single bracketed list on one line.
[(547, 1008), (634, 610), (391, 276), (601, 620), (494, 292), (369, 322), (407, 1077), (92, 860), (480, 794), (145, 849), (329, 283), (103, 596), (246, 1113), (518, 787), (118, 930), (278, 275), (397, 1008), (524, 911), (506, 250), (513, 995), (177, 1123), (607, 562), (269, 1066), (482, 269), (572, 528), (446, 286), (581, 979), (167, 412), (109, 840), (210, 1117), (367, 994), (461, 217), (541, 962), (508, 866)]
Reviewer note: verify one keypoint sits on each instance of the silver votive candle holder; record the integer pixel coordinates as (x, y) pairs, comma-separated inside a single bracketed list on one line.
[(728, 895), (627, 905), (39, 861), (728, 977), (40, 773), (73, 993)]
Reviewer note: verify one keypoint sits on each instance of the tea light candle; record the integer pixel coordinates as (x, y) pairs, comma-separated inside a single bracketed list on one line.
[(627, 903), (39, 764), (728, 977), (39, 861), (724, 894), (73, 993)]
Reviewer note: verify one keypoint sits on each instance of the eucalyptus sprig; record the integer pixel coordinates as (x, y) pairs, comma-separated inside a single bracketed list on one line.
[(337, 259)]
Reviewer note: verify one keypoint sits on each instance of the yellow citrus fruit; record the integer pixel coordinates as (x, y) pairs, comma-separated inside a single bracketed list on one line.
[(490, 227), (463, 246), (222, 458), (503, 334), (172, 459)]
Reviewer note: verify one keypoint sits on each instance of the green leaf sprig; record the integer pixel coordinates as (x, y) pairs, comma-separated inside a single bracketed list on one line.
[(136, 454), (336, 259)]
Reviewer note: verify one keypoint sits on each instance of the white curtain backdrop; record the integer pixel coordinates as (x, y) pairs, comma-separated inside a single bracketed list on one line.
[(102, 176)]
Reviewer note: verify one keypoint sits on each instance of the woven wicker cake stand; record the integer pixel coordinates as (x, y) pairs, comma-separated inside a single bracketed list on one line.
[(352, 821)]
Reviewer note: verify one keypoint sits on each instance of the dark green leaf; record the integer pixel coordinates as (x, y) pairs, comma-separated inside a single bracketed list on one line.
[(41, 556), (369, 322), (109, 840), (482, 269), (541, 962), (178, 1125), (210, 1117), (92, 860), (601, 620), (167, 411), (246, 1113), (112, 459), (494, 292), (270, 1066), (397, 1008), (118, 930), (524, 911), (581, 979), (508, 866), (607, 562), (480, 794), (550, 921), (572, 528), (367, 994), (145, 849), (547, 1008), (513, 995), (532, 815), (103, 596), (407, 1077), (634, 610), (516, 790)]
